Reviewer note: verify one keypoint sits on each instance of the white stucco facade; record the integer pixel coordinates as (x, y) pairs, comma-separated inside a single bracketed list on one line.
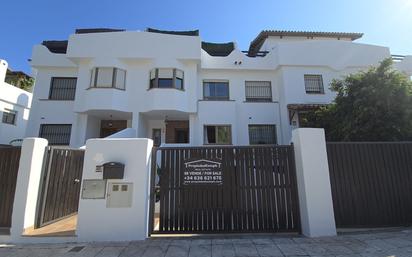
[(284, 65), (16, 102)]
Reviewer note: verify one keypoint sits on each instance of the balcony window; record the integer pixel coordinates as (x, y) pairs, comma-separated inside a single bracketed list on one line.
[(216, 90), (258, 91), (9, 117), (314, 84), (166, 78), (219, 135), (56, 134), (262, 134), (62, 88), (108, 78)]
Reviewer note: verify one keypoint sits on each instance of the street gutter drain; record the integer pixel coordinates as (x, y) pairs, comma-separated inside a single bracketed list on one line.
[(76, 249)]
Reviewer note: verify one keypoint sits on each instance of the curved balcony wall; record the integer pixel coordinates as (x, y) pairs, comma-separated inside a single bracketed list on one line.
[(103, 99), (168, 99)]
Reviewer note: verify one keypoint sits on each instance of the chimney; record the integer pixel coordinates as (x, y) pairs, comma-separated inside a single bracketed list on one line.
[(3, 70)]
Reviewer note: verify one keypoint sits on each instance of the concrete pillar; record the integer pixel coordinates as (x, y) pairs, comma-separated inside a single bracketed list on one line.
[(192, 129), (96, 220), (27, 186), (312, 170), (79, 130)]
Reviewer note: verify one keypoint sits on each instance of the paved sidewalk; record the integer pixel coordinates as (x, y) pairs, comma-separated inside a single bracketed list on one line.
[(396, 243)]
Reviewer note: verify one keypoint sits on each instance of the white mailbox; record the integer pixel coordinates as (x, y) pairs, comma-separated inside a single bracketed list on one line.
[(119, 195)]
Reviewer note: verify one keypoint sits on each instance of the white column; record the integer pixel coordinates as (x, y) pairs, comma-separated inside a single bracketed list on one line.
[(79, 129), (97, 222), (28, 185), (312, 170), (192, 129)]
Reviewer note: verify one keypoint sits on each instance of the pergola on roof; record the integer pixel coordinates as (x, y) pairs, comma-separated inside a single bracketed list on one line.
[(172, 32), (257, 43)]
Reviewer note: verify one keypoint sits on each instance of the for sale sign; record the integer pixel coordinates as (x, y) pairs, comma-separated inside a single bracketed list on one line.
[(203, 172)]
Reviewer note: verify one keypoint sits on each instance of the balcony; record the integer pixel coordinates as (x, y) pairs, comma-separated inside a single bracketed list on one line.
[(168, 99), (102, 99)]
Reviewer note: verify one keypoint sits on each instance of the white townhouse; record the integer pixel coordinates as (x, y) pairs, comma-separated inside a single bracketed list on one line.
[(176, 89), (14, 110)]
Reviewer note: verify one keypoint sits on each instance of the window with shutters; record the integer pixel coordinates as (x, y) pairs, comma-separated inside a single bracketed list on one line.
[(314, 84), (104, 77), (62, 88), (166, 78), (262, 134), (258, 91), (56, 134)]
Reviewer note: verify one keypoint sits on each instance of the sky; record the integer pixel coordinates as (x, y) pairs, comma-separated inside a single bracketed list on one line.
[(27, 23)]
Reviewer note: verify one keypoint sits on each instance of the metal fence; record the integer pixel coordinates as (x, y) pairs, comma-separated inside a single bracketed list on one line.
[(60, 185), (256, 191), (371, 183), (9, 166)]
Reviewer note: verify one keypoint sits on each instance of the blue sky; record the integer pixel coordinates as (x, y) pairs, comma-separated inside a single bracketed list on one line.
[(384, 22)]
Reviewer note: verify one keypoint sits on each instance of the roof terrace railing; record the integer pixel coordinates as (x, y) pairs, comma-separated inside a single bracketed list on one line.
[(258, 54), (397, 57)]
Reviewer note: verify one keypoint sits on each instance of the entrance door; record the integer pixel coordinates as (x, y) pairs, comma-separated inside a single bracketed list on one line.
[(60, 185), (109, 127), (224, 189)]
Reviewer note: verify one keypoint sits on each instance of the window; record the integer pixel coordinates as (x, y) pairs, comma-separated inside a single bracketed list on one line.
[(182, 135), (314, 84), (166, 78), (9, 117), (108, 78), (56, 134), (221, 135), (62, 88), (262, 134), (213, 90), (157, 137), (258, 91)]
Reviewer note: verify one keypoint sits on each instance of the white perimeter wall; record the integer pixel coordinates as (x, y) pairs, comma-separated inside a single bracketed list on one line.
[(96, 222)]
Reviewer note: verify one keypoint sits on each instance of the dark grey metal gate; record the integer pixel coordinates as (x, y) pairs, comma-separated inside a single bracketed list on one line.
[(371, 183), (224, 189), (9, 166), (60, 185)]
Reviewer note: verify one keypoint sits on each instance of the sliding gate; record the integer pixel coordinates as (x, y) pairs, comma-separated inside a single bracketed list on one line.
[(60, 185), (224, 189)]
